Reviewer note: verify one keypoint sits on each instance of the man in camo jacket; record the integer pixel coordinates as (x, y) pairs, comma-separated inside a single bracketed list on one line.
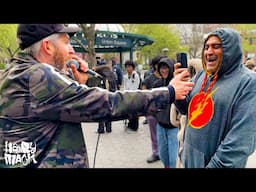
[(42, 105)]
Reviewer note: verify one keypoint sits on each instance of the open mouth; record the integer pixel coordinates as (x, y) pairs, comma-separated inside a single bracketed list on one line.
[(211, 60)]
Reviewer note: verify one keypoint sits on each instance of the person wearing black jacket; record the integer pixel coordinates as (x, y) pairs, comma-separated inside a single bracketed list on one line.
[(108, 82), (151, 81), (167, 140)]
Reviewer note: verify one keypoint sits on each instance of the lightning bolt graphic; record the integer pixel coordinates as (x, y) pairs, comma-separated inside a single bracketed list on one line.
[(199, 108)]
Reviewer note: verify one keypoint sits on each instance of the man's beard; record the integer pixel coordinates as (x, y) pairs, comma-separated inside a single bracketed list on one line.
[(58, 62)]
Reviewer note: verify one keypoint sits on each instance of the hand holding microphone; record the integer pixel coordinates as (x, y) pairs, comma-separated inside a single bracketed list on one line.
[(77, 65)]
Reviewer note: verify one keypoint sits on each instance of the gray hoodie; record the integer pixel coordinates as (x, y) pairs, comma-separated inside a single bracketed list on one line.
[(229, 136)]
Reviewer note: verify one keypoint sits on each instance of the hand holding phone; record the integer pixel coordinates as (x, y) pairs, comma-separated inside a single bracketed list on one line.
[(182, 59)]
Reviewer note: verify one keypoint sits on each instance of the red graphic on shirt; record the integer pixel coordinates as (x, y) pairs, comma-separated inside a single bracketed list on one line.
[(200, 110)]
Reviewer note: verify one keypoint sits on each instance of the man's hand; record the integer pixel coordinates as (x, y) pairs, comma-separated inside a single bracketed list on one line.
[(178, 70), (80, 75), (181, 87)]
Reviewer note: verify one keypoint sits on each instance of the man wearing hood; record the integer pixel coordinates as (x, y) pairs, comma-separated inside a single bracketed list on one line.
[(220, 129)]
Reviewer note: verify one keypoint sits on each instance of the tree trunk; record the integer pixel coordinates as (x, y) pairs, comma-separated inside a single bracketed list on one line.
[(89, 33)]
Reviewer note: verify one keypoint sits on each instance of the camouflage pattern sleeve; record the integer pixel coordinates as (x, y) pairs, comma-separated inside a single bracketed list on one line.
[(60, 98), (41, 110)]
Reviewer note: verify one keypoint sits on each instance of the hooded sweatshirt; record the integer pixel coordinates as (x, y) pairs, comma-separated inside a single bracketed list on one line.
[(163, 117), (224, 135)]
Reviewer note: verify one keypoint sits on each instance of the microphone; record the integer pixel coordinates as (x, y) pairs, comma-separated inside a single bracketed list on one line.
[(91, 72)]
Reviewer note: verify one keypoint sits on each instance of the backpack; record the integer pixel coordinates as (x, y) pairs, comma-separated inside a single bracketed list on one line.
[(140, 84), (110, 80)]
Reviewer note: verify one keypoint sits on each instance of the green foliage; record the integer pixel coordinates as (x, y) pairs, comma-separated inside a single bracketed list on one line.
[(165, 36), (248, 36), (8, 41), (145, 67), (2, 66)]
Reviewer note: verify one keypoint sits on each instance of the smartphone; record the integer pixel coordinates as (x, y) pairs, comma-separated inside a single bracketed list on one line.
[(182, 58)]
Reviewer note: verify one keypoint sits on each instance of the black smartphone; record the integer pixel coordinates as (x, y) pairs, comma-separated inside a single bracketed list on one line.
[(182, 58)]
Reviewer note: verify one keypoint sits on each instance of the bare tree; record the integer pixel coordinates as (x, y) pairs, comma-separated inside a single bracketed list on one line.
[(192, 35), (211, 27), (89, 33), (129, 28)]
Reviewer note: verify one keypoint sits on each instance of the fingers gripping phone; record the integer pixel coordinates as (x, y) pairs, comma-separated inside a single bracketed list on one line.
[(182, 59)]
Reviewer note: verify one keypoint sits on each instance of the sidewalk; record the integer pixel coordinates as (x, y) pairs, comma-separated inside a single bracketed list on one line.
[(119, 149)]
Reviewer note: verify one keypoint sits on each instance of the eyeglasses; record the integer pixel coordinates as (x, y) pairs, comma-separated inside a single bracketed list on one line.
[(214, 46)]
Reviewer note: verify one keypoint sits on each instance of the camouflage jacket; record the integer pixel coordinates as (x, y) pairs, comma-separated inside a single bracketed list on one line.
[(41, 110)]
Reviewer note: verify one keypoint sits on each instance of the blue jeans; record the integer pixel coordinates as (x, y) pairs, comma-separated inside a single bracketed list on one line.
[(167, 141), (152, 127)]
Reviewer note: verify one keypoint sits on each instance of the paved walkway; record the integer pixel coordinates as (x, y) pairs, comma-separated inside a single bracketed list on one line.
[(120, 149)]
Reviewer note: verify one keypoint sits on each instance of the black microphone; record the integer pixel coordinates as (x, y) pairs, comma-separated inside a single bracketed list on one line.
[(91, 72)]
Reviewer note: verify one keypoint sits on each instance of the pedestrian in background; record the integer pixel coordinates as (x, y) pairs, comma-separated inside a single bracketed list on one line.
[(131, 82), (153, 80), (167, 140), (108, 82)]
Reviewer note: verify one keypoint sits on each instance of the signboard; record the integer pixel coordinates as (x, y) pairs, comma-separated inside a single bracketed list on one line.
[(113, 42)]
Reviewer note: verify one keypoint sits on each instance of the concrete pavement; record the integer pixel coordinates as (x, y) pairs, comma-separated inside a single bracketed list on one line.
[(120, 149)]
